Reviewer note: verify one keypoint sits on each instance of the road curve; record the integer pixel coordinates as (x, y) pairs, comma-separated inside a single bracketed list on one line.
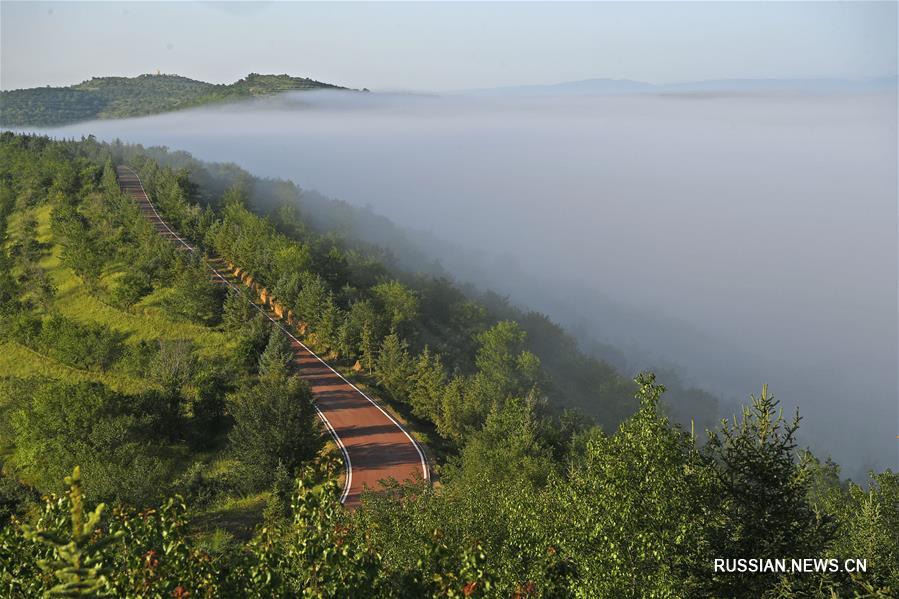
[(374, 445)]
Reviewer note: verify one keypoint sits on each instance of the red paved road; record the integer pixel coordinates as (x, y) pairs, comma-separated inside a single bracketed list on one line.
[(374, 445)]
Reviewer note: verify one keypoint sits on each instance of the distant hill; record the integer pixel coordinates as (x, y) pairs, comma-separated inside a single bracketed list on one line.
[(118, 97)]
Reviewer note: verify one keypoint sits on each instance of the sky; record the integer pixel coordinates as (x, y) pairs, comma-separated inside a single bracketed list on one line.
[(446, 46)]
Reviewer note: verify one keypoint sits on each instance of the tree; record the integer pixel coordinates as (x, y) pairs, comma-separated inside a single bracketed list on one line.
[(10, 291), (315, 554), (367, 351), (868, 522), (80, 250), (764, 508), (505, 370), (452, 421), (427, 386), (278, 355), (131, 287), (252, 339), (173, 365), (236, 310), (632, 511), (394, 367), (37, 283), (109, 435), (194, 295), (78, 558), (327, 328), (508, 450), (508, 368), (399, 302), (274, 421), (312, 297), (361, 327)]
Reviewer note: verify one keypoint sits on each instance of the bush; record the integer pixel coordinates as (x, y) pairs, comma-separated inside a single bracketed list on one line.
[(274, 421), (133, 285), (87, 346), (251, 343), (87, 424), (194, 296), (137, 357), (24, 327)]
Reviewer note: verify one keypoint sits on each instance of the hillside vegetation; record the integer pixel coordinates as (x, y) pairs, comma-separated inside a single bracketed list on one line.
[(119, 97), (178, 456)]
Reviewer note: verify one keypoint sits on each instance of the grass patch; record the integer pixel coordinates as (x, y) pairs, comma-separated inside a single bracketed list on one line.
[(237, 516), (18, 361)]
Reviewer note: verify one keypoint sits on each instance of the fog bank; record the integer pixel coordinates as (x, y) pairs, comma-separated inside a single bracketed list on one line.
[(741, 238)]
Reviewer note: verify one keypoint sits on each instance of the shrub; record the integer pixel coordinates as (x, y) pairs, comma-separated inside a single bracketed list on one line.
[(274, 421), (88, 346)]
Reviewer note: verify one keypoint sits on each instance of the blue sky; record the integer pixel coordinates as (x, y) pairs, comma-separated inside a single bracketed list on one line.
[(444, 46)]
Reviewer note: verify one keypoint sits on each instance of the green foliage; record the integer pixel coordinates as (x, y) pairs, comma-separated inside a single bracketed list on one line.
[(236, 311), (81, 251), (173, 365), (252, 339), (532, 502), (312, 298), (117, 97), (764, 505), (88, 346), (316, 555), (867, 519), (15, 498), (78, 558), (10, 292), (398, 301), (110, 436), (504, 363), (274, 422), (195, 296), (394, 367), (131, 287), (327, 327), (278, 355), (428, 383), (647, 545)]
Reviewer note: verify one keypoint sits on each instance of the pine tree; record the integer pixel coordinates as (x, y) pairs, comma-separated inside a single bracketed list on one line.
[(278, 354), (326, 331), (367, 348), (394, 367), (427, 386), (764, 500), (78, 559), (236, 311), (278, 506)]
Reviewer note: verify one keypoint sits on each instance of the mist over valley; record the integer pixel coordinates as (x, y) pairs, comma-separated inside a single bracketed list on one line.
[(732, 238)]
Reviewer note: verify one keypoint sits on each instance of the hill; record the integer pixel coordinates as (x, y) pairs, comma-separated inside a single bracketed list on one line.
[(119, 97)]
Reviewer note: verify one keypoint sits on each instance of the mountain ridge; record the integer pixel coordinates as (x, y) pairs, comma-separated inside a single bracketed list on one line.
[(122, 97)]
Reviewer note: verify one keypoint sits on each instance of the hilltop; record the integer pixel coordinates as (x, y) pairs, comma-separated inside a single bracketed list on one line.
[(119, 97)]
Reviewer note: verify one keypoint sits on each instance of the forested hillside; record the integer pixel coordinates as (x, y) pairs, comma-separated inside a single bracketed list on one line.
[(575, 377), (130, 378), (118, 97)]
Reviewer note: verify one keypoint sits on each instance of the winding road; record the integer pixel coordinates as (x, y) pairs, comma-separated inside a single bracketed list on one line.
[(375, 446)]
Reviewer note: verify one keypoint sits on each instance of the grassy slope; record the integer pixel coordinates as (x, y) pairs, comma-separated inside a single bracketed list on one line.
[(231, 516), (118, 97), (147, 321)]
